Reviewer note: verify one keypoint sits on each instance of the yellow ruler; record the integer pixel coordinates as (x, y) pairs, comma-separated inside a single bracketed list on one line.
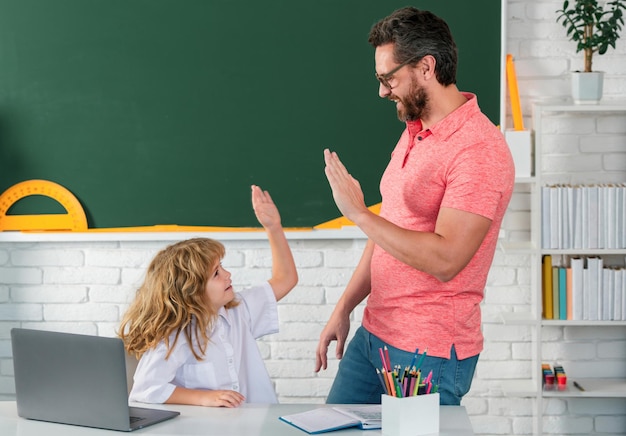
[(342, 221), (73, 220), (76, 220)]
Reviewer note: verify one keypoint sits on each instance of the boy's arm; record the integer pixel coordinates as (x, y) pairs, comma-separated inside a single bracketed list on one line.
[(198, 397), (284, 273)]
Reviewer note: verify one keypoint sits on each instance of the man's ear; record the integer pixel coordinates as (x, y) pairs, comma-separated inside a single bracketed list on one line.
[(426, 66)]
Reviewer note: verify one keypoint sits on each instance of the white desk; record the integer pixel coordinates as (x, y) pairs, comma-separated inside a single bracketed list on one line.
[(247, 420)]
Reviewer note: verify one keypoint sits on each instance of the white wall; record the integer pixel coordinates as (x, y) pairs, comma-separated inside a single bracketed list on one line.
[(85, 286)]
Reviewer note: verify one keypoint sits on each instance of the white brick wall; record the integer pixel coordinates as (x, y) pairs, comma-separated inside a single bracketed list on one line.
[(84, 287)]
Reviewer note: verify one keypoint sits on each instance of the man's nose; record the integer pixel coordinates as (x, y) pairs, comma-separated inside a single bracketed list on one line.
[(383, 91)]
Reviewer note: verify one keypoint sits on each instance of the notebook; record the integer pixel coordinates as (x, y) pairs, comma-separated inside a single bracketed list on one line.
[(76, 379), (326, 419)]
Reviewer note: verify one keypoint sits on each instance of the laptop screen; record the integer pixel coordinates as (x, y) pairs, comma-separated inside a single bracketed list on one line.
[(71, 378)]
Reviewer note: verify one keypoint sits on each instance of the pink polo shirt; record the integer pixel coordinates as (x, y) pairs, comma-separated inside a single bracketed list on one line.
[(462, 162)]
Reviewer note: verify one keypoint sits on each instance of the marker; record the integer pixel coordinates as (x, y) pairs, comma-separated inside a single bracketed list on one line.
[(382, 359), (417, 383), (385, 375), (387, 358), (405, 374), (414, 358), (382, 382), (392, 388), (419, 364), (429, 377), (398, 388)]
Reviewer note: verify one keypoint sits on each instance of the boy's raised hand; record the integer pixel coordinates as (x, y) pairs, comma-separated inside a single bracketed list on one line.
[(264, 208), (284, 273)]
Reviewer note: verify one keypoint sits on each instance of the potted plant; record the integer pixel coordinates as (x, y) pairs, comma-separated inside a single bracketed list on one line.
[(594, 28)]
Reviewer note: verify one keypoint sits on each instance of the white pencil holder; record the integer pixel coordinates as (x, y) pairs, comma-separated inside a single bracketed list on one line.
[(410, 416)]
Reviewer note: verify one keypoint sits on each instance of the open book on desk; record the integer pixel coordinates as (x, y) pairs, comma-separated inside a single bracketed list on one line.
[(325, 419)]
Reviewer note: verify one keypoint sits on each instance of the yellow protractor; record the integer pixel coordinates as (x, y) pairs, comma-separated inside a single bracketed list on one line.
[(74, 219)]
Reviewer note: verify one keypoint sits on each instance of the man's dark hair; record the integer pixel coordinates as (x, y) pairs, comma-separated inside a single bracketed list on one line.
[(415, 34)]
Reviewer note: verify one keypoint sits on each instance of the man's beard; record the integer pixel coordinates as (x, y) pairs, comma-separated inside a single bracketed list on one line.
[(415, 105)]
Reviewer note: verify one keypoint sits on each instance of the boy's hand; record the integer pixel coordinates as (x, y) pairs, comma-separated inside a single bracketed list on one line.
[(264, 208), (222, 399), (201, 397)]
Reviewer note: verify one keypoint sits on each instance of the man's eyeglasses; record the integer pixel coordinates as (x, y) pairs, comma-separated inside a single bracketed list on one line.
[(384, 78)]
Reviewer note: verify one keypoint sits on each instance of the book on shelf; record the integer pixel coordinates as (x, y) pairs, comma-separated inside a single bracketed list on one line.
[(593, 217), (546, 283), (602, 205), (326, 419), (621, 217), (608, 296), (562, 293), (594, 267), (623, 271), (583, 216), (610, 229), (582, 289), (577, 216), (545, 217), (556, 300), (619, 291), (554, 217), (577, 266), (567, 216), (586, 294), (569, 298)]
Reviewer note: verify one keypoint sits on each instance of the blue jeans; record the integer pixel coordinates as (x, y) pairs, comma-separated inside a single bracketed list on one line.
[(357, 383)]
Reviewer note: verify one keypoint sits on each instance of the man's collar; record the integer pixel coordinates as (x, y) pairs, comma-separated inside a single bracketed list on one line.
[(451, 122)]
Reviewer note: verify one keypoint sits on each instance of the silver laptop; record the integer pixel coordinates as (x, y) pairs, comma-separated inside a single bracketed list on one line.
[(76, 379)]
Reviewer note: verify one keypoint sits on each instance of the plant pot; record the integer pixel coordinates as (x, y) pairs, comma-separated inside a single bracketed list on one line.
[(587, 87)]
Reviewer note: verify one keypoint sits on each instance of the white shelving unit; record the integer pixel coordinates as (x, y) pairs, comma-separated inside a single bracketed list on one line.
[(532, 387)]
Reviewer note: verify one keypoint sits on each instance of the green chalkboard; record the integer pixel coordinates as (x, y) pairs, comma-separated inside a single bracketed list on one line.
[(165, 111)]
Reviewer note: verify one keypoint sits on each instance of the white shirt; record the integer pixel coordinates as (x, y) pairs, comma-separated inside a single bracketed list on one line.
[(232, 360)]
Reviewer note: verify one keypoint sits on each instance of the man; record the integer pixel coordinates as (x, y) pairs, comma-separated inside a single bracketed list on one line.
[(444, 193)]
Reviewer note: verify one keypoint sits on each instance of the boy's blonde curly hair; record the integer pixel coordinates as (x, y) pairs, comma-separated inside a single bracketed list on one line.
[(172, 299)]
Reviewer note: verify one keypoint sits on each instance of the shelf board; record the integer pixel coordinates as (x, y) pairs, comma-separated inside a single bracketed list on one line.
[(527, 318), (602, 106), (582, 323), (594, 387), (583, 251)]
